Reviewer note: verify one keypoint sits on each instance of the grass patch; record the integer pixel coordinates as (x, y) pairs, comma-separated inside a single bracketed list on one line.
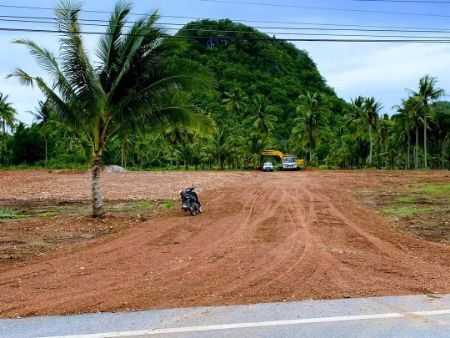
[(434, 190), (143, 205), (132, 206), (10, 214), (408, 210), (47, 213), (419, 199), (168, 204), (406, 199)]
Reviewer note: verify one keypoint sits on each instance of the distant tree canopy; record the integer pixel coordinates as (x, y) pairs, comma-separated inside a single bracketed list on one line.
[(268, 94)]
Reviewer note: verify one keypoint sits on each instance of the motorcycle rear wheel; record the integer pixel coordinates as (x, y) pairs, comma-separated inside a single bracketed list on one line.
[(192, 210)]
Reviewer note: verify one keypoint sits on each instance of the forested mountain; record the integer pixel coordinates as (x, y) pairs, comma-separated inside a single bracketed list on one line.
[(246, 64)]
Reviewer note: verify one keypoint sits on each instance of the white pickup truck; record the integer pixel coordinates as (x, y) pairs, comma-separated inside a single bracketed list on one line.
[(289, 163)]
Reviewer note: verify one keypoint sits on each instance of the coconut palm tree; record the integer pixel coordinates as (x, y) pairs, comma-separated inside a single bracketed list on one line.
[(427, 94), (371, 110), (43, 115), (262, 121), (235, 103), (218, 146), (311, 110), (7, 119), (136, 83), (407, 120), (384, 137), (365, 114)]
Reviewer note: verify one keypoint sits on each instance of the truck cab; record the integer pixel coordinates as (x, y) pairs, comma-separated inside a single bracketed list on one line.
[(289, 163)]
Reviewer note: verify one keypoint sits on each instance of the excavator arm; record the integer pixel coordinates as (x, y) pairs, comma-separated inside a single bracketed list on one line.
[(274, 153)]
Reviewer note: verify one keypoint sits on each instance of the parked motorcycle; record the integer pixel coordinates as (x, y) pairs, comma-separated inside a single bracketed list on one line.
[(190, 201)]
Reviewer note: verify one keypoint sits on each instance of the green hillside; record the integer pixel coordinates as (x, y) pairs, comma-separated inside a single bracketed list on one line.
[(242, 58)]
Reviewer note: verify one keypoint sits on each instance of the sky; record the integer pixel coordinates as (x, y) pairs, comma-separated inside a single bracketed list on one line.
[(382, 70)]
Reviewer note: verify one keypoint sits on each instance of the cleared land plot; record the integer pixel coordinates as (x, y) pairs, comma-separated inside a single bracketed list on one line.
[(420, 206), (41, 211), (263, 237)]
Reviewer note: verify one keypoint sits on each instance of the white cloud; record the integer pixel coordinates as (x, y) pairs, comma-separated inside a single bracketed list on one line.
[(24, 99), (380, 70)]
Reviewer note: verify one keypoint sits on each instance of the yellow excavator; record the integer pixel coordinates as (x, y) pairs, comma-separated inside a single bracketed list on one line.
[(289, 162)]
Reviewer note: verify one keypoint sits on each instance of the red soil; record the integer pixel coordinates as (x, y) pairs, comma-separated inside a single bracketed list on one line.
[(273, 237)]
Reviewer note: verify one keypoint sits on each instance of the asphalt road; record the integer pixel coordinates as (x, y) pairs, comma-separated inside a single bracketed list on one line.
[(405, 316)]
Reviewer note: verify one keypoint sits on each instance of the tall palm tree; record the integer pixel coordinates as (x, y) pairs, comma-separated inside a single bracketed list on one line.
[(372, 109), (7, 119), (365, 113), (235, 103), (311, 110), (219, 147), (262, 121), (407, 120), (427, 94), (43, 115), (135, 84), (384, 133), (356, 115)]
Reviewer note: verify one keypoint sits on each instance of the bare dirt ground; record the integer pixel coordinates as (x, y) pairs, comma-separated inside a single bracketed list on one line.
[(53, 207), (263, 237), (70, 186)]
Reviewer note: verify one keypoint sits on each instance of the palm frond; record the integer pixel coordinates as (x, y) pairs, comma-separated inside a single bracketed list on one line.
[(109, 49), (75, 62), (49, 63), (23, 77)]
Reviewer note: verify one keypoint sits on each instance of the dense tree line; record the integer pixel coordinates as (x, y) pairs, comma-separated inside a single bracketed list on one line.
[(267, 94)]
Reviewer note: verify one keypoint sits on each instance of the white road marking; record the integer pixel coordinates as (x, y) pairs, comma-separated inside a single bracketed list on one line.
[(255, 324)]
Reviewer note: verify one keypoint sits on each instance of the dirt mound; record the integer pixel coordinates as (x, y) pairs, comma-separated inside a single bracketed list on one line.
[(276, 237)]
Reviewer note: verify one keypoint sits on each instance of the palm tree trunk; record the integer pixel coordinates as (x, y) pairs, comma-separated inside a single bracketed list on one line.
[(310, 147), (97, 198), (386, 157), (425, 159), (371, 145), (122, 154), (4, 141), (408, 152), (46, 150), (416, 154)]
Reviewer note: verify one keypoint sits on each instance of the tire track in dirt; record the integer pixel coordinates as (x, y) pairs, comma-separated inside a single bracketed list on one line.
[(315, 250), (300, 219), (381, 245), (273, 257), (384, 247)]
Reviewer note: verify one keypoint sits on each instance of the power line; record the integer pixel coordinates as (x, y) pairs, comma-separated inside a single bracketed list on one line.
[(425, 2), (275, 33), (232, 2), (215, 18), (231, 38), (399, 29)]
